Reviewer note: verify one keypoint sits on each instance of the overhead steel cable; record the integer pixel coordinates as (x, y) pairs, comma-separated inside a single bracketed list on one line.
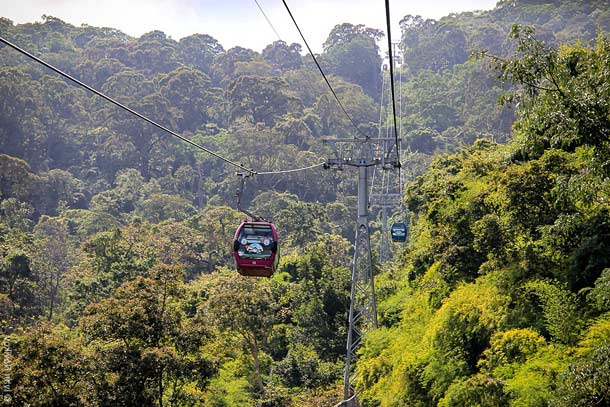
[(268, 21), (379, 133), (122, 106), (292, 170), (389, 28), (141, 116), (322, 72), (400, 127)]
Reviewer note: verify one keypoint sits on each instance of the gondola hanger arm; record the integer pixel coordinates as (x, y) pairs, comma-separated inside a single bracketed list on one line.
[(242, 184)]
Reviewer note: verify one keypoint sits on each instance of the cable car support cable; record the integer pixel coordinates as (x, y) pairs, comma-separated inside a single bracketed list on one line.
[(148, 120), (381, 99), (322, 71), (239, 194), (122, 106), (291, 170), (387, 15), (268, 21)]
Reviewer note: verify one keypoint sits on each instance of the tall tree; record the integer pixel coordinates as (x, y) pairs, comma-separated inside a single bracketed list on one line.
[(352, 52), (283, 56), (200, 50)]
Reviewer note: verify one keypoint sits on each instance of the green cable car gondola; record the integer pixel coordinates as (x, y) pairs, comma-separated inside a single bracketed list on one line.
[(399, 232)]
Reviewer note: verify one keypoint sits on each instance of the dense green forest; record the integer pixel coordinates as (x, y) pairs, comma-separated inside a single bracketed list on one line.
[(117, 284)]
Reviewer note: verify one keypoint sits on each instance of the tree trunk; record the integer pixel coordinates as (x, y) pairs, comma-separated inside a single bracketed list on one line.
[(161, 388), (257, 364), (199, 189)]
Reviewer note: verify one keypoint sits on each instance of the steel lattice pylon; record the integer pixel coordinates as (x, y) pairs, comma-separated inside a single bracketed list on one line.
[(384, 248), (386, 201), (363, 310)]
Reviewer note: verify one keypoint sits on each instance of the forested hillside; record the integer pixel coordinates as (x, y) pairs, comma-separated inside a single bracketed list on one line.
[(117, 282), (501, 298)]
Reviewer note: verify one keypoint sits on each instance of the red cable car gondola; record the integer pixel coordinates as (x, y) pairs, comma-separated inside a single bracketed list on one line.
[(255, 248)]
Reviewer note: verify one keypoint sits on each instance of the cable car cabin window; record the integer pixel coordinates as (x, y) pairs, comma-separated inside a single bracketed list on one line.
[(399, 232), (255, 242)]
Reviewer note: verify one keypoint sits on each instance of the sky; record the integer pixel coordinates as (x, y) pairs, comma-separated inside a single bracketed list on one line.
[(234, 22)]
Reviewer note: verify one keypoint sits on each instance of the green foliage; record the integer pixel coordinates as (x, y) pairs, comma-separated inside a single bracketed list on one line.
[(283, 56), (432, 46), (260, 99), (535, 381), (436, 346), (18, 282), (567, 85), (16, 214), (51, 366), (506, 243), (600, 294), (476, 391), (560, 310), (302, 367), (16, 178), (229, 388), (597, 336), (115, 264), (353, 54), (160, 207), (311, 221), (510, 348), (459, 333), (52, 258), (145, 343), (527, 367), (190, 91), (200, 50), (586, 381)]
